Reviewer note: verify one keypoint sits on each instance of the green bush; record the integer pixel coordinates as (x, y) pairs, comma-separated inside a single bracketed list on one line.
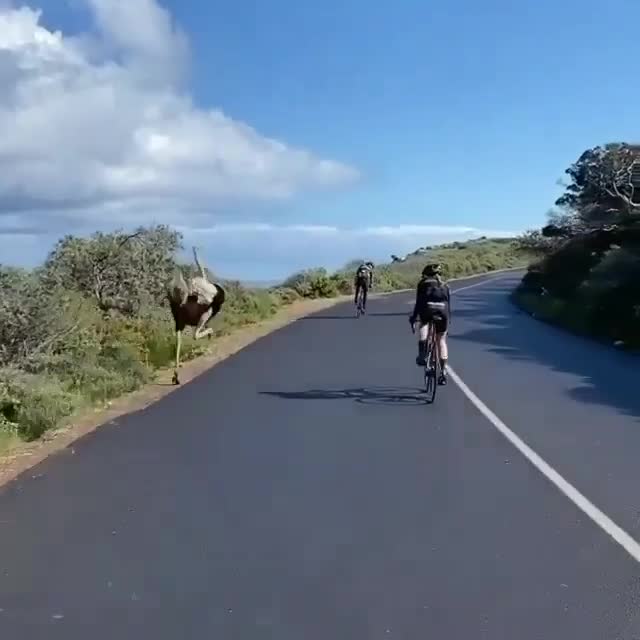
[(612, 296), (285, 295), (32, 404), (316, 283)]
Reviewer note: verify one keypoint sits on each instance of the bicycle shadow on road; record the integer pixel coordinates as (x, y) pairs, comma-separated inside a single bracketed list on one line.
[(326, 317), (404, 396), (403, 314), (368, 314)]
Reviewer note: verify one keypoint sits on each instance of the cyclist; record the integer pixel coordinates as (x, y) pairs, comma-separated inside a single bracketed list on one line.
[(433, 303), (364, 281)]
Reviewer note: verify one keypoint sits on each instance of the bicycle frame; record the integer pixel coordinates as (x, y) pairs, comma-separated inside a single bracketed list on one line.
[(432, 365), (360, 303)]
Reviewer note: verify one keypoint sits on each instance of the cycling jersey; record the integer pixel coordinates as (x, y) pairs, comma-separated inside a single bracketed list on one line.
[(433, 298)]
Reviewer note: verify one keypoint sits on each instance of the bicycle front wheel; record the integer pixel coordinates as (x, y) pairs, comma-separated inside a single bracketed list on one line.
[(431, 370)]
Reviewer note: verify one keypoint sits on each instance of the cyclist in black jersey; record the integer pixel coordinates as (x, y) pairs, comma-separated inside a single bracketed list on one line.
[(364, 281), (433, 303)]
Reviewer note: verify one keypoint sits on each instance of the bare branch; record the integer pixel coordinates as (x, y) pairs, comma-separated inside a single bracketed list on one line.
[(28, 355), (616, 193)]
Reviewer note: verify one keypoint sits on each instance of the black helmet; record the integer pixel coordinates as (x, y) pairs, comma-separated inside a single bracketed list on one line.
[(370, 264), (432, 270)]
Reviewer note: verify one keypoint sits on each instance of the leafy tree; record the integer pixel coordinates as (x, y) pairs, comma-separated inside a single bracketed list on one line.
[(604, 184), (33, 318), (591, 247), (119, 271)]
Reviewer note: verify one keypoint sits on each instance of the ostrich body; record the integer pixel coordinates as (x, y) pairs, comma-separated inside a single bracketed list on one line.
[(193, 305)]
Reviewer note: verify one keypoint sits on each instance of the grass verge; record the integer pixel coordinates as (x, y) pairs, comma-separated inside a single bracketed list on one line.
[(564, 314)]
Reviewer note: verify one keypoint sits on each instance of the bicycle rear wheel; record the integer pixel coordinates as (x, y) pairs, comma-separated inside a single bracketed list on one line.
[(431, 370), (359, 305)]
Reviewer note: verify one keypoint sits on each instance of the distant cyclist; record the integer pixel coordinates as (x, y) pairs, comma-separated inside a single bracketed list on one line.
[(433, 303), (364, 281)]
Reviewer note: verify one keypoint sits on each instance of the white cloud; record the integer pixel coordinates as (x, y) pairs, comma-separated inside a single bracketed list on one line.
[(144, 33), (99, 126), (414, 232), (386, 234), (258, 227), (428, 229), (98, 130)]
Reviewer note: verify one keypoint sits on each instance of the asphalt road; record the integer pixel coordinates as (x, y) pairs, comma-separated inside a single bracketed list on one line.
[(303, 490)]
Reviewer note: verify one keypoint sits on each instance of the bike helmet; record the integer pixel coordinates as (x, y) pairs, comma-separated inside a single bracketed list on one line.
[(432, 270), (370, 264)]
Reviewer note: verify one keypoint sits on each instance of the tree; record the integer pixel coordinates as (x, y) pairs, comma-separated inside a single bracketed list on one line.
[(601, 199), (33, 317), (604, 185), (119, 271), (598, 222)]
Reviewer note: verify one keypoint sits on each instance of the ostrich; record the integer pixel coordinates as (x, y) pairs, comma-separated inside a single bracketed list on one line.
[(193, 305)]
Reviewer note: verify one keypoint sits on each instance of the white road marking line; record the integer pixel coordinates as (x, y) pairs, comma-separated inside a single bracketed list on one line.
[(470, 286), (631, 546), (476, 284), (601, 519)]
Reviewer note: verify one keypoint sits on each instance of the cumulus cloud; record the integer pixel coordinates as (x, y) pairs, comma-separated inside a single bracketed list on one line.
[(99, 126), (98, 130)]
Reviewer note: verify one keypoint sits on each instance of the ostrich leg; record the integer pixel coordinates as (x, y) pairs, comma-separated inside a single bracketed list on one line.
[(176, 380), (200, 331)]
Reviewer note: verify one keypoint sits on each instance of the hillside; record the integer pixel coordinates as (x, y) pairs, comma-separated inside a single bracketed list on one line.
[(458, 259)]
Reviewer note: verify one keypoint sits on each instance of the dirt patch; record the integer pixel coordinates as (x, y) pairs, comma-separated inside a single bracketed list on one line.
[(21, 456)]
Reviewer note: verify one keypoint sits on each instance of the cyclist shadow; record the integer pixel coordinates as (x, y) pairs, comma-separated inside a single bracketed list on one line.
[(351, 316), (398, 396)]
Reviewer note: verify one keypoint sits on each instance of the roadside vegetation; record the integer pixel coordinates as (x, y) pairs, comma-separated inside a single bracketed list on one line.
[(459, 259), (586, 276), (92, 322)]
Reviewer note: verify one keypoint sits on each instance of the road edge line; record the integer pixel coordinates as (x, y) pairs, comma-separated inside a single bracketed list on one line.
[(629, 544), (601, 519), (471, 286)]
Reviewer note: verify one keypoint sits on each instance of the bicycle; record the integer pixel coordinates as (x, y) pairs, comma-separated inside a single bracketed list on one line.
[(360, 303), (431, 367)]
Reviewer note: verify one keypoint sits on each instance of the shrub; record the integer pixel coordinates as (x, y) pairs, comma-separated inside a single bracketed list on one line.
[(612, 296), (285, 295), (33, 404), (314, 283)]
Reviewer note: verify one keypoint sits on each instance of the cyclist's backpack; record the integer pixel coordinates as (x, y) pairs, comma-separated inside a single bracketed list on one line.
[(363, 272)]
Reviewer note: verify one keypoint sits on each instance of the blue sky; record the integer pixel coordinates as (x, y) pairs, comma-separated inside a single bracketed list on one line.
[(442, 120)]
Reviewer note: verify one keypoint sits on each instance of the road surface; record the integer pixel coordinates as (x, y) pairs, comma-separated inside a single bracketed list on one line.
[(302, 490)]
